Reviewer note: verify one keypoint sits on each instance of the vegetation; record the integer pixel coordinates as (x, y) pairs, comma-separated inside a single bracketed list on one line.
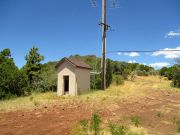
[(117, 130), (48, 77), (13, 81), (120, 70), (118, 79), (172, 73), (94, 127), (33, 68), (121, 104), (176, 121), (135, 120), (38, 77)]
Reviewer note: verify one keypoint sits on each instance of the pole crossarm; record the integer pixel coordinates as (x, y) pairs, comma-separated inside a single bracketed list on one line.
[(107, 27)]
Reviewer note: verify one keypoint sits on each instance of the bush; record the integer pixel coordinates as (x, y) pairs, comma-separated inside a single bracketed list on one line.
[(96, 81), (125, 73), (132, 76), (142, 73), (118, 79)]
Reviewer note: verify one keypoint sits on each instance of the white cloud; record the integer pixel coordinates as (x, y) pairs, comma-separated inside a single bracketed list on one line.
[(132, 54), (119, 53), (132, 61), (168, 54), (159, 64), (172, 34)]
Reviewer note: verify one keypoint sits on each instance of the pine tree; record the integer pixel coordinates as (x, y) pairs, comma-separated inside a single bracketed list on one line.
[(33, 64)]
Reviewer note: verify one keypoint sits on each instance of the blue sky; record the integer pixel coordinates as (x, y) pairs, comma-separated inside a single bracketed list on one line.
[(60, 28)]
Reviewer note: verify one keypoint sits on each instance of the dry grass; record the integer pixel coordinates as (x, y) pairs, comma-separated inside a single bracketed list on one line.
[(135, 89)]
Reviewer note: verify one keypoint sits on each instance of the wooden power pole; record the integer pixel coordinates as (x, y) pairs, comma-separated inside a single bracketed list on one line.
[(104, 28)]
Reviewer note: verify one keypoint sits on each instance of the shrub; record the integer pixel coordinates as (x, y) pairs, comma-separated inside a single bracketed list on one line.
[(96, 82), (132, 76), (142, 73), (125, 73), (118, 79)]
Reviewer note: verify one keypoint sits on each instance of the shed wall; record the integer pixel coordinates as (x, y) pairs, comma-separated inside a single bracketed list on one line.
[(66, 69), (83, 80)]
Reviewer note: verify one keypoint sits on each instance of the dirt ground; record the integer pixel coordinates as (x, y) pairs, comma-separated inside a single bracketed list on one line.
[(59, 119)]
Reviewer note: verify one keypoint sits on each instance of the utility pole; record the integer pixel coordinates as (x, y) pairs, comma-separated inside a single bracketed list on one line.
[(104, 28)]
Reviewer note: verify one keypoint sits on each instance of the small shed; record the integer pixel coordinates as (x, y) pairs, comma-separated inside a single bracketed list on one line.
[(73, 76)]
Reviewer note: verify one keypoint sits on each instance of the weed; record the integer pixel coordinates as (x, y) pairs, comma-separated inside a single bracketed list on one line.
[(135, 120), (117, 130), (85, 126), (176, 121), (36, 103), (178, 126), (104, 98), (159, 114), (95, 123), (87, 97), (31, 98), (131, 133)]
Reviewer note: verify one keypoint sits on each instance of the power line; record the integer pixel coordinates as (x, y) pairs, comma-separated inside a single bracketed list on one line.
[(114, 4), (141, 51), (93, 3)]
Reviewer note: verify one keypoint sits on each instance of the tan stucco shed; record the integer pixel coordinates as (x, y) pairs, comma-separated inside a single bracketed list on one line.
[(73, 76)]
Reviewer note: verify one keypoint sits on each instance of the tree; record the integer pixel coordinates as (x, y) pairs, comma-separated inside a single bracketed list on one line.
[(13, 81), (163, 71), (33, 65), (176, 74), (48, 77)]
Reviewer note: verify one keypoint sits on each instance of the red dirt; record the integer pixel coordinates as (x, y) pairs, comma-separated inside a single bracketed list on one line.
[(59, 119)]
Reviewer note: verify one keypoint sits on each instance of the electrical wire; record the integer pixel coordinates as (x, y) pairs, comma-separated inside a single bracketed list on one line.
[(142, 51)]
